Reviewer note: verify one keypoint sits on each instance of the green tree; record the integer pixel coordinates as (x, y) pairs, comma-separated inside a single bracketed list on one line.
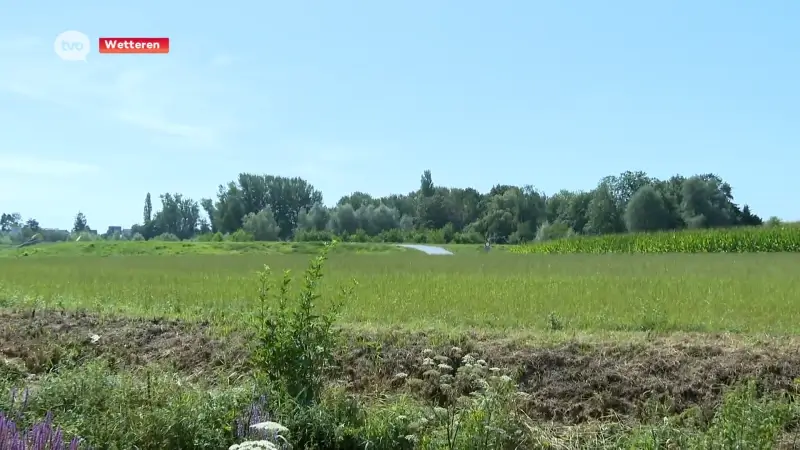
[(179, 216), (344, 220), (33, 225), (80, 224), (706, 202), (426, 184), (603, 215), (357, 200), (148, 209), (262, 225), (646, 211), (9, 221), (316, 218), (626, 184), (252, 193)]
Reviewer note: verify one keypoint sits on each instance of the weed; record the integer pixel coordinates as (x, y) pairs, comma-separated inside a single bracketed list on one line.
[(296, 343)]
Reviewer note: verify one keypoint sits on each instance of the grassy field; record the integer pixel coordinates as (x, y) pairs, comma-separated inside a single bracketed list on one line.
[(160, 248), (499, 291), (603, 351)]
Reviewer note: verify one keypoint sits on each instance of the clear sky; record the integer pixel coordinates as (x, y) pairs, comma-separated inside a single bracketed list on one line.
[(366, 95)]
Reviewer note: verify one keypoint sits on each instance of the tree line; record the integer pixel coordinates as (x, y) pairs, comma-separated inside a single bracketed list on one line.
[(269, 208)]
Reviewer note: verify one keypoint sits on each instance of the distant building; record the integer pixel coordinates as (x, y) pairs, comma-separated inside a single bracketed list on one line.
[(112, 230), (127, 232)]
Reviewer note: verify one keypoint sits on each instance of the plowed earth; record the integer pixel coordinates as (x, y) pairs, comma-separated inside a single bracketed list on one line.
[(570, 382)]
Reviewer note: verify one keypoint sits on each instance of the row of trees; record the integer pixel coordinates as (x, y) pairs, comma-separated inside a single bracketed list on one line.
[(266, 207)]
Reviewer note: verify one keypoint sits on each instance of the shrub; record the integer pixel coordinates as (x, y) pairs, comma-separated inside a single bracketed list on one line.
[(262, 226), (295, 345), (241, 236), (166, 237)]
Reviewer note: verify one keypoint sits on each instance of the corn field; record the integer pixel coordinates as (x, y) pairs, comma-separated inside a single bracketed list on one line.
[(729, 240)]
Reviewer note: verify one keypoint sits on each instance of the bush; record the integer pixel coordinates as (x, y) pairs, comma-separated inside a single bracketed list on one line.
[(551, 231), (295, 345), (241, 236), (313, 236), (169, 237), (262, 226)]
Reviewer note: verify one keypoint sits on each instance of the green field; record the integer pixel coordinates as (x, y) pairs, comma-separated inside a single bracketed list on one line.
[(499, 291), (641, 342)]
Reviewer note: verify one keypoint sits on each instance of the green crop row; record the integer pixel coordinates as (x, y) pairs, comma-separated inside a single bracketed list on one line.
[(728, 240)]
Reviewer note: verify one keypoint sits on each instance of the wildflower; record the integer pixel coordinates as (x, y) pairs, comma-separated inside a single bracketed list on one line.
[(427, 362), (270, 427), (506, 379), (480, 362), (41, 436), (427, 352), (494, 369), (399, 379), (468, 359), (445, 367)]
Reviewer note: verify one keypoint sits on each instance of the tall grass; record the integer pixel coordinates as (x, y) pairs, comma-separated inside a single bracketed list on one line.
[(497, 291)]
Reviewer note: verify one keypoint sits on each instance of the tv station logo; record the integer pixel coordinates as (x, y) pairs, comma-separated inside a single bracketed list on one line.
[(75, 46)]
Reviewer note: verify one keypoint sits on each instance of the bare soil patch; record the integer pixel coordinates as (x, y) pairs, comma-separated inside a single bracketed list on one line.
[(569, 382)]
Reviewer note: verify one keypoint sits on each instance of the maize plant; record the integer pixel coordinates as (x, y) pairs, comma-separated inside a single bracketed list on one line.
[(722, 240)]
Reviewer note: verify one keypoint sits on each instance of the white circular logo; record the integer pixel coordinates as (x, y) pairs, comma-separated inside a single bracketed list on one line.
[(72, 46)]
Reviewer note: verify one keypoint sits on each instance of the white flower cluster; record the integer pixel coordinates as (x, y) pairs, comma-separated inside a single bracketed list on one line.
[(270, 428)]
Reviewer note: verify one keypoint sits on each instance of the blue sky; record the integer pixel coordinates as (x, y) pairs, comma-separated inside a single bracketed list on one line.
[(366, 95)]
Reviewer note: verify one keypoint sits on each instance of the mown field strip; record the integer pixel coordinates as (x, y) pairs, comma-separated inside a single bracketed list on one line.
[(711, 292)]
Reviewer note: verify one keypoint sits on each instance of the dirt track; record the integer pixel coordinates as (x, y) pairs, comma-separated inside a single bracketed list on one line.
[(568, 383)]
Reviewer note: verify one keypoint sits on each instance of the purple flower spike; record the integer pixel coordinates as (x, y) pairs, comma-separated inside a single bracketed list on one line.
[(41, 436)]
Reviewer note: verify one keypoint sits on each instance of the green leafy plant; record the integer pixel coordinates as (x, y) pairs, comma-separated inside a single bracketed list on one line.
[(295, 340)]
